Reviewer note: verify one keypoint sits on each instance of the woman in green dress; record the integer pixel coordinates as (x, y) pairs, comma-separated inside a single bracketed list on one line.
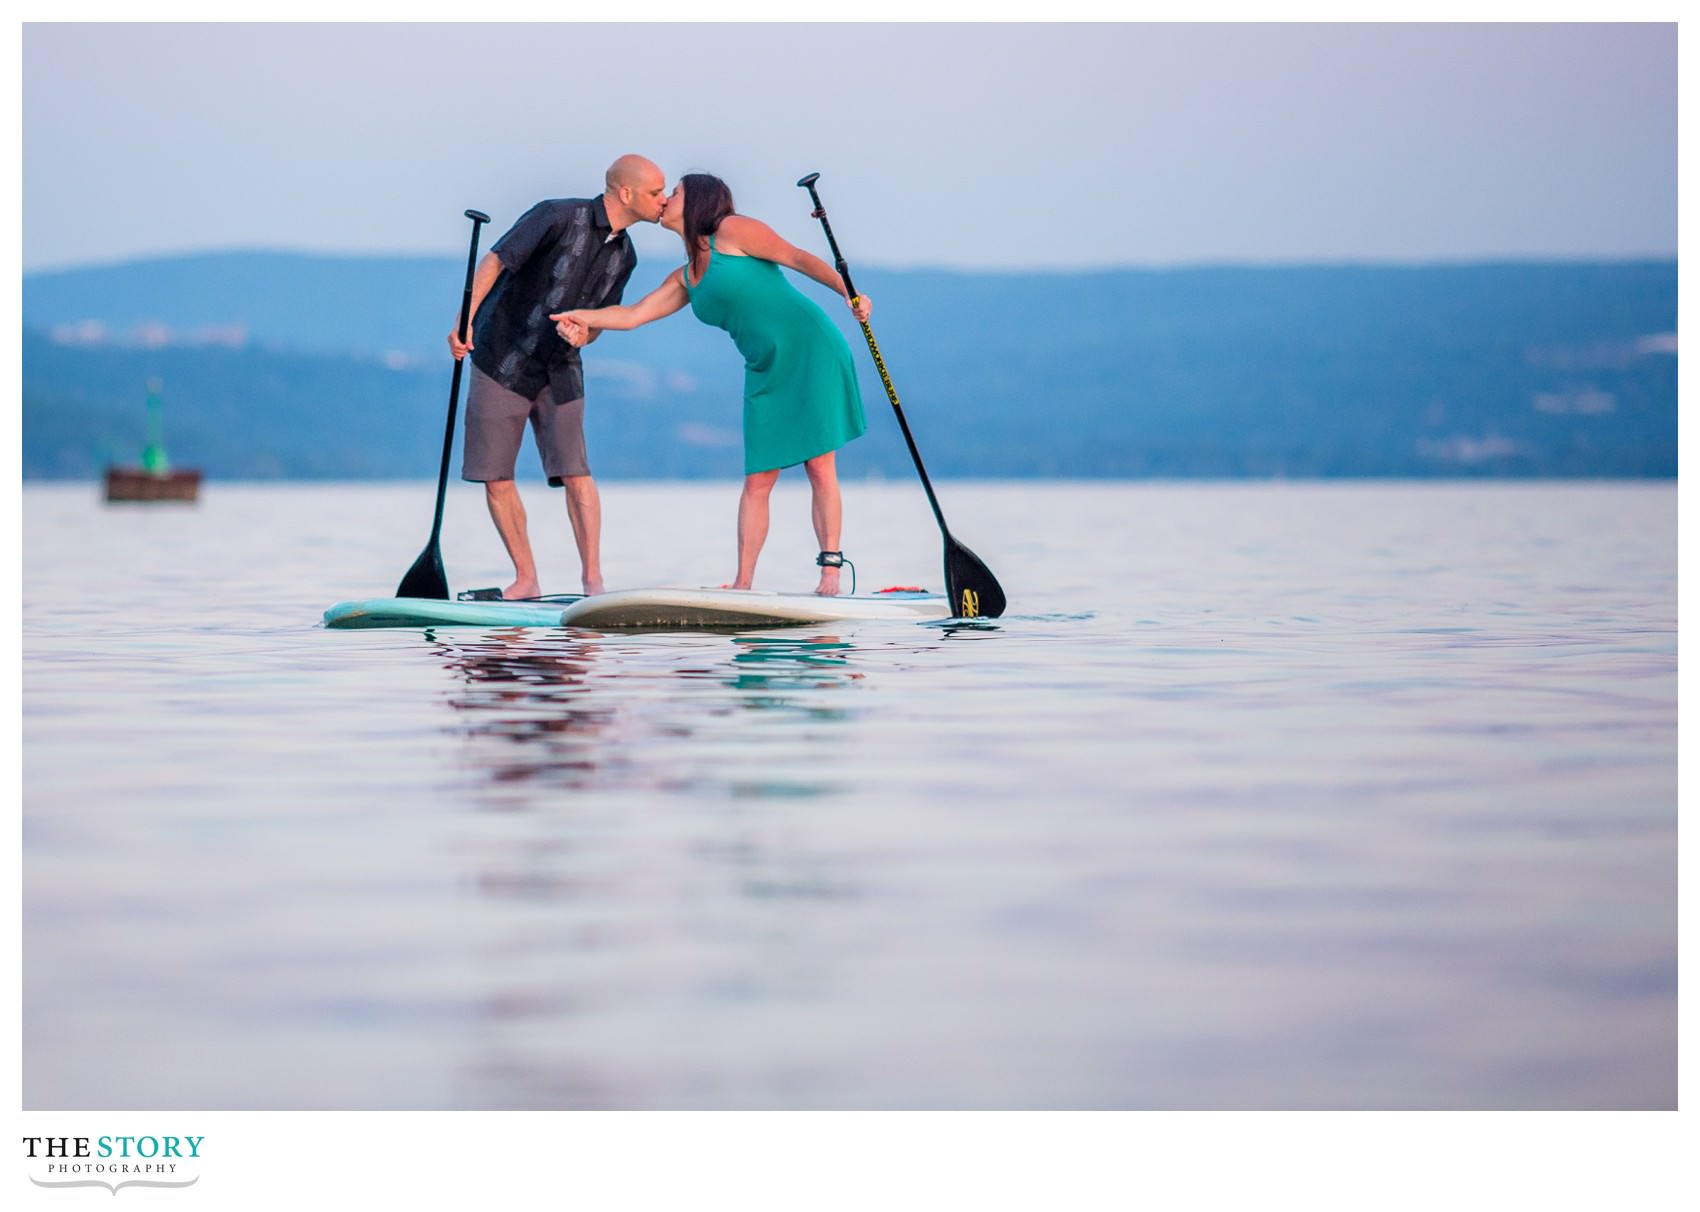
[(801, 402)]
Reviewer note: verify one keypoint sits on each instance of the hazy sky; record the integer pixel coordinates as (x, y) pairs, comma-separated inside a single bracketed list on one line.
[(963, 145)]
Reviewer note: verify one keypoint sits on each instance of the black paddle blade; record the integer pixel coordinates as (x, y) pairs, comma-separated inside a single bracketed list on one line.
[(974, 591), (426, 578)]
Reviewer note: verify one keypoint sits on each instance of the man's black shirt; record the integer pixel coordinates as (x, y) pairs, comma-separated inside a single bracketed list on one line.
[(561, 255)]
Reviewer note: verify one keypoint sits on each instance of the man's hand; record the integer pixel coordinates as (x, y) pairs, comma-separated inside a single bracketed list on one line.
[(458, 347)]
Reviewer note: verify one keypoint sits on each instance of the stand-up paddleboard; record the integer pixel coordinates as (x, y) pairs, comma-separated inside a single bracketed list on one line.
[(643, 609), (646, 609), (434, 612)]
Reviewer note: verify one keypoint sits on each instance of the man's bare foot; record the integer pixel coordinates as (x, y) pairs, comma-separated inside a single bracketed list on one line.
[(521, 589), (828, 587), (737, 585), (593, 586)]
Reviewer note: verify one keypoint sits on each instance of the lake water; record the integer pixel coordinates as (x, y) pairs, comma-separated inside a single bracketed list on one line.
[(1273, 795)]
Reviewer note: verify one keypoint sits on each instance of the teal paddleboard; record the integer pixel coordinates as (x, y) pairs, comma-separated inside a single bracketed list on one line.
[(431, 612)]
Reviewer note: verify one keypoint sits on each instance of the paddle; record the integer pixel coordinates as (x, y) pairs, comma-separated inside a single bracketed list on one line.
[(974, 592), (426, 579)]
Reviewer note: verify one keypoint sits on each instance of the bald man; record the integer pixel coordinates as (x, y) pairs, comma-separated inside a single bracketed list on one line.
[(564, 253)]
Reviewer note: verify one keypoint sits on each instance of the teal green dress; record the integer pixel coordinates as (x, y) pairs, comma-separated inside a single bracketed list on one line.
[(800, 393)]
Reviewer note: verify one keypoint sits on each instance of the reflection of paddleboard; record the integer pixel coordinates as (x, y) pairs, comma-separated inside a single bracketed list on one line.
[(731, 608), (431, 612)]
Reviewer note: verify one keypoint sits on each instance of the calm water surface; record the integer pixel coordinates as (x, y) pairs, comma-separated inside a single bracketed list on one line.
[(1261, 796)]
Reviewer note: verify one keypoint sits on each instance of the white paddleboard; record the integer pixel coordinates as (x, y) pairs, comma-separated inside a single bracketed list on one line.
[(732, 608)]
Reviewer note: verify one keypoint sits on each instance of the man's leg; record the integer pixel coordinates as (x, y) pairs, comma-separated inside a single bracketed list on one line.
[(495, 426), (508, 512), (560, 440), (584, 511)]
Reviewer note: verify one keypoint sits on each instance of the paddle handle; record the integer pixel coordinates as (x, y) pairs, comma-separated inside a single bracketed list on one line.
[(479, 218), (843, 269)]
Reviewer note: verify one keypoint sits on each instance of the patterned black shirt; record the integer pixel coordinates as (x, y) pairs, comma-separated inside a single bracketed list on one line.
[(562, 254)]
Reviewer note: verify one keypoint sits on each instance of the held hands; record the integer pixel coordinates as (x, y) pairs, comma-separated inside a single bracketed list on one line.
[(574, 331), (862, 306)]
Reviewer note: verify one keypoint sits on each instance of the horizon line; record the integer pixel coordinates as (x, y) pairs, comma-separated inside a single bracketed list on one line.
[(1341, 261)]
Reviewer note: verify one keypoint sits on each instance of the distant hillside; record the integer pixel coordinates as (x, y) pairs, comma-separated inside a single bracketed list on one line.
[(282, 366)]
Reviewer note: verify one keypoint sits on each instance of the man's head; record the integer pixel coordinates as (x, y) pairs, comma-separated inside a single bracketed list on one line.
[(636, 192)]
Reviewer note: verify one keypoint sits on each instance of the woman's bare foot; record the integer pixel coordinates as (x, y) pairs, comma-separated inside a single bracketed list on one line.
[(522, 589), (593, 586), (828, 587), (737, 585)]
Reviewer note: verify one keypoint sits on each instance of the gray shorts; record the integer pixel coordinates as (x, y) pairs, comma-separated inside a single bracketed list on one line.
[(495, 427)]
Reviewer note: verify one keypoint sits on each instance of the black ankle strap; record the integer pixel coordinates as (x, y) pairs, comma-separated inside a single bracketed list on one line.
[(835, 559)]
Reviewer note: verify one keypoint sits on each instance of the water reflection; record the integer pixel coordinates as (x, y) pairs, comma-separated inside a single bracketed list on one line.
[(530, 700), (966, 628), (685, 713), (770, 671), (663, 859)]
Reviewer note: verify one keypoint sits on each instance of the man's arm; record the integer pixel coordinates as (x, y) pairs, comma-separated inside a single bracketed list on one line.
[(489, 269)]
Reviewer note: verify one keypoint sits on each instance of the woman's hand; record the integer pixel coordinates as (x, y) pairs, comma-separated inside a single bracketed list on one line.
[(862, 306), (572, 328)]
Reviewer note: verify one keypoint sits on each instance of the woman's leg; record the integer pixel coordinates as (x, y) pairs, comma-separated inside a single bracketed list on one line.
[(752, 524), (827, 512)]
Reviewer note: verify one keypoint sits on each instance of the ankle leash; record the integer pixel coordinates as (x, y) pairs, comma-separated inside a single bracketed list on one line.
[(835, 559)]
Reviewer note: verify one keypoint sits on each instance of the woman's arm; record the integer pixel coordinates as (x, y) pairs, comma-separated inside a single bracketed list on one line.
[(664, 300), (755, 238)]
